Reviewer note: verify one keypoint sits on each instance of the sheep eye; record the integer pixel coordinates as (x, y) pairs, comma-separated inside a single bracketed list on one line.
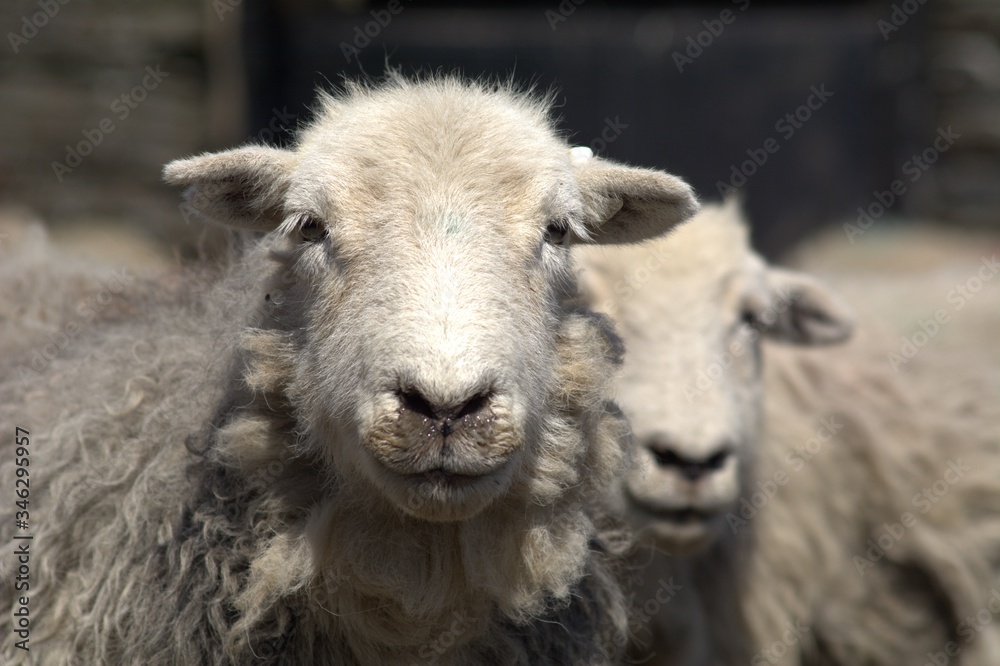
[(749, 318), (556, 231), (312, 230)]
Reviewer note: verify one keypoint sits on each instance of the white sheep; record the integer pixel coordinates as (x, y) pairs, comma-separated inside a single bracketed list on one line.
[(806, 510), (378, 435)]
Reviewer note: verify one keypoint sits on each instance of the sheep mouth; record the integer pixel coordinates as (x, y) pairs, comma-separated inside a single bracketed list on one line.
[(447, 481), (680, 516), (685, 516), (684, 530), (444, 470), (442, 478), (447, 492)]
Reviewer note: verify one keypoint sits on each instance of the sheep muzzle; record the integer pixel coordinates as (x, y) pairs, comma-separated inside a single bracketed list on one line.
[(444, 461)]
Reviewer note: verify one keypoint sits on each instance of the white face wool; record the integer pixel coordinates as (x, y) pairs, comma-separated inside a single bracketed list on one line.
[(428, 225), (692, 308)]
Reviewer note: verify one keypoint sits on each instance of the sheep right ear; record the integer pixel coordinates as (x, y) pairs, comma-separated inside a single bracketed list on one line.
[(626, 204), (242, 188), (806, 311)]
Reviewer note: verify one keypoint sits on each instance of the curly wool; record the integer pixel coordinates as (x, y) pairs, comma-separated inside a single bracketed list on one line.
[(175, 519)]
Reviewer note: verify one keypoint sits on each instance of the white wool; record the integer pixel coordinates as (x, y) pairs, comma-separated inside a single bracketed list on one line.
[(781, 563)]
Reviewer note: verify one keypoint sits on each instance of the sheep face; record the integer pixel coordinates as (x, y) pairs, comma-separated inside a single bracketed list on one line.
[(422, 233), (691, 384), (693, 406)]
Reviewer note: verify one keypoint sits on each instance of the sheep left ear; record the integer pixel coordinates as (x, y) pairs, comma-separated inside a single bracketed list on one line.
[(626, 204), (243, 188), (805, 311)]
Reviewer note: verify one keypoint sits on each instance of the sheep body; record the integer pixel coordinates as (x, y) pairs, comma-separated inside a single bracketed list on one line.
[(144, 550), (216, 479), (829, 554)]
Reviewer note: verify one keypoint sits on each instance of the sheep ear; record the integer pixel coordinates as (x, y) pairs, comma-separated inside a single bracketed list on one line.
[(242, 188), (626, 204), (805, 311)]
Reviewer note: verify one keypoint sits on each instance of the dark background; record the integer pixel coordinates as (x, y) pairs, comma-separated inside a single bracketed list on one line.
[(248, 70)]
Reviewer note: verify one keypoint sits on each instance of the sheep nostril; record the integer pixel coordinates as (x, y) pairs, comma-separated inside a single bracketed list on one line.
[(415, 402), (690, 469), (446, 415), (667, 458), (472, 407), (717, 460)]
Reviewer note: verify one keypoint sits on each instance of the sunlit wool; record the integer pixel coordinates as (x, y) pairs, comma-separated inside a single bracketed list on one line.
[(221, 477)]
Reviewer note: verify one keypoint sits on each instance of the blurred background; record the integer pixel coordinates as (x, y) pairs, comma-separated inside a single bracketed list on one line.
[(820, 113)]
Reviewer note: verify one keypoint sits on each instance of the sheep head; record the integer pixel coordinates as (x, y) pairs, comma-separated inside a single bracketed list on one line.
[(693, 309), (422, 233)]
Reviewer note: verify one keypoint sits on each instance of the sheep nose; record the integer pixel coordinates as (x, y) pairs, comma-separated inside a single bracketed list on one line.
[(446, 414), (690, 468)]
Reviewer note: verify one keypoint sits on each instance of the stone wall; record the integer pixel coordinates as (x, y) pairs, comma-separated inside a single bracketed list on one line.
[(964, 79), (97, 96)]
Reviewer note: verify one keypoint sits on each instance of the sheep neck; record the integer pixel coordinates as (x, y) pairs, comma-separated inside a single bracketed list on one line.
[(386, 583)]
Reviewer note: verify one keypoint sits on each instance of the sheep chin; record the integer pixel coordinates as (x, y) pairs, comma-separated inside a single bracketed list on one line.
[(675, 538), (442, 496), (442, 491), (680, 531)]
